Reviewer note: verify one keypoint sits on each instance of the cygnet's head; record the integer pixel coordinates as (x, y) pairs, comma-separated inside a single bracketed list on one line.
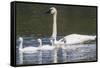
[(39, 40), (51, 41), (20, 39), (64, 40)]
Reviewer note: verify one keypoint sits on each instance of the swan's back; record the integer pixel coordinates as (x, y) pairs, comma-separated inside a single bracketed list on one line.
[(47, 47), (29, 49), (77, 38)]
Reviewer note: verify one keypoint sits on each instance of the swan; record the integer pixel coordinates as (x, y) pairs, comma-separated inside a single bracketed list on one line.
[(48, 47), (45, 47), (40, 54), (29, 49), (77, 38), (70, 39)]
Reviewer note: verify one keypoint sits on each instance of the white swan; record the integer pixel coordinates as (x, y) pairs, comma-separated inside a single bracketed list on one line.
[(70, 39), (29, 49), (45, 47), (77, 38), (40, 52)]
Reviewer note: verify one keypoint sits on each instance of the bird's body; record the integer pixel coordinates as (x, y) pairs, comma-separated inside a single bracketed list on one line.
[(29, 49), (47, 47), (77, 38), (69, 39)]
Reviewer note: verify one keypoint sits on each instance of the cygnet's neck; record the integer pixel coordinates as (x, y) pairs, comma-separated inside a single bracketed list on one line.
[(21, 44)]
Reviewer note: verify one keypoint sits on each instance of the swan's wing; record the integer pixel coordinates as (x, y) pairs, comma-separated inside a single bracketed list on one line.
[(77, 38), (30, 49), (47, 47)]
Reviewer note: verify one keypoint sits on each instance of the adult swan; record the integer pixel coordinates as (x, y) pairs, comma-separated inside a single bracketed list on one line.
[(70, 39)]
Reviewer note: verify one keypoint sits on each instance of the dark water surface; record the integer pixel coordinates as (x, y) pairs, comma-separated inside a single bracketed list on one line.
[(32, 19), (75, 53)]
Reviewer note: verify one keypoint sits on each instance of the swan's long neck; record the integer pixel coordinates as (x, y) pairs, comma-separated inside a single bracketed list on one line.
[(54, 33), (40, 42), (21, 44), (21, 52)]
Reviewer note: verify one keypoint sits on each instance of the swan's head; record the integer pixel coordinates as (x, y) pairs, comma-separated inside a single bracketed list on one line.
[(39, 40), (51, 41), (20, 39), (53, 10), (64, 40)]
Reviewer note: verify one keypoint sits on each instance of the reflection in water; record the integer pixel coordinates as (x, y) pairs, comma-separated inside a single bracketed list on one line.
[(71, 53)]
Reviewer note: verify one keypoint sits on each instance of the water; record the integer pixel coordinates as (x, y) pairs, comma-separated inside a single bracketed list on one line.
[(70, 19), (74, 53)]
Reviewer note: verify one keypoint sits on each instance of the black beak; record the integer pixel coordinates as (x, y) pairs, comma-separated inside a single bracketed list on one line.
[(48, 11)]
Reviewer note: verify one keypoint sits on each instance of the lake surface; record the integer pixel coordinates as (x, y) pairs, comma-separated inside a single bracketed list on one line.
[(74, 53), (33, 21)]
